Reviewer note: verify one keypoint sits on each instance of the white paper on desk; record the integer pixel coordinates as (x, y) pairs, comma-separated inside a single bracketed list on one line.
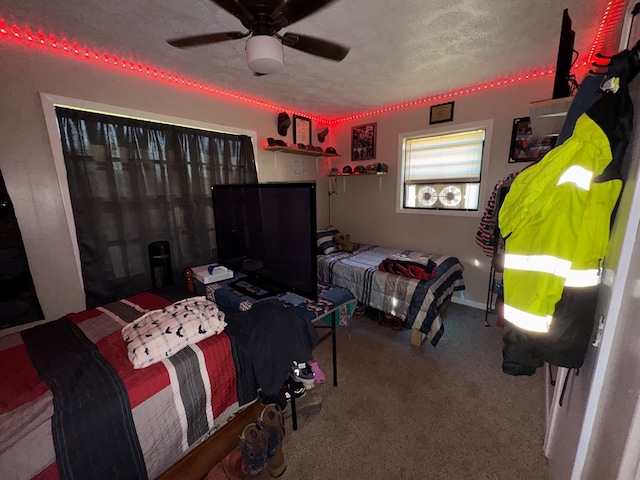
[(202, 274)]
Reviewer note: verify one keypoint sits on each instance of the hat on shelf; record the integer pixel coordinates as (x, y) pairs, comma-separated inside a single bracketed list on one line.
[(377, 167), (272, 142)]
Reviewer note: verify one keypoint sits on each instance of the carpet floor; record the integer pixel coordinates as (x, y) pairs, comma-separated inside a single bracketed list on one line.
[(401, 412)]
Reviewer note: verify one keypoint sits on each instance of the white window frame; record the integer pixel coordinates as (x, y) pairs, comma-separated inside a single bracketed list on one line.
[(487, 125)]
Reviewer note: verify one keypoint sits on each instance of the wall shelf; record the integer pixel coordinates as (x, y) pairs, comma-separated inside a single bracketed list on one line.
[(300, 151), (358, 174), (548, 116), (345, 175)]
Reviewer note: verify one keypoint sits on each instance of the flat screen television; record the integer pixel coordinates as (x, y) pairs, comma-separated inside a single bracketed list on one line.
[(564, 61), (267, 231)]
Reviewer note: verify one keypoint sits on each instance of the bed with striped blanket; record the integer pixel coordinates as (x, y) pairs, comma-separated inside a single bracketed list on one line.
[(73, 406), (418, 303)]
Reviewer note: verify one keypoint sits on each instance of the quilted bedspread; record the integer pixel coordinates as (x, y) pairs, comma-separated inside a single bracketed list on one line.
[(73, 406), (416, 302)]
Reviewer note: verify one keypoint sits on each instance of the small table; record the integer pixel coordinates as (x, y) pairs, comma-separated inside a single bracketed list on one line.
[(335, 306)]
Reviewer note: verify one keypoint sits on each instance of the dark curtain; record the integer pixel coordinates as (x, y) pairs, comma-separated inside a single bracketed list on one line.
[(132, 183)]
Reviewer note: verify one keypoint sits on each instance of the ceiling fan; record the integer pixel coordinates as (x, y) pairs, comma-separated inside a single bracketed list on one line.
[(263, 19)]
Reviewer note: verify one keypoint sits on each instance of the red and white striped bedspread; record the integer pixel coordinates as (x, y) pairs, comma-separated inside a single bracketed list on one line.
[(73, 406)]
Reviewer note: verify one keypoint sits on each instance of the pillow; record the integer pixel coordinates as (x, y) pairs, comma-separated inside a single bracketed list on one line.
[(159, 334), (325, 240)]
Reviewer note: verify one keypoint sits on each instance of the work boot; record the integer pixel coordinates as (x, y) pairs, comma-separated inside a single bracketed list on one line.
[(253, 445), (271, 421)]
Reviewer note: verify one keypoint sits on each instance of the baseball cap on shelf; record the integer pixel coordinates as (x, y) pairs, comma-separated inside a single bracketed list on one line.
[(272, 142)]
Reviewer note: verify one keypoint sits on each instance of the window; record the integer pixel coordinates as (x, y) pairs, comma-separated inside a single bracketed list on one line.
[(133, 182), (441, 169)]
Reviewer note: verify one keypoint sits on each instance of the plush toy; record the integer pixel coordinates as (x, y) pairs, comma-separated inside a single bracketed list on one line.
[(344, 243)]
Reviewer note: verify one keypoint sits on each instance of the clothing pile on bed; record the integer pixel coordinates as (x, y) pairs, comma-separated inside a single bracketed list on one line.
[(410, 265)]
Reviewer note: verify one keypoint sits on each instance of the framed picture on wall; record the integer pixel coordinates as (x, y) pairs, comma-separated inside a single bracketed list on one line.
[(301, 130), (524, 146), (441, 113), (363, 142)]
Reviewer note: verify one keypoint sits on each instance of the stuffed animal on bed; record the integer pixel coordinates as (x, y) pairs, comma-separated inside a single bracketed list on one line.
[(344, 242)]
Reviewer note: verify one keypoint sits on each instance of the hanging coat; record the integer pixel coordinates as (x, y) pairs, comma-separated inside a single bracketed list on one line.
[(556, 219)]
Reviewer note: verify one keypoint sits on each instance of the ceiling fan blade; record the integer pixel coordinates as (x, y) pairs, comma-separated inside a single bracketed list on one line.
[(290, 12), (315, 46), (206, 38)]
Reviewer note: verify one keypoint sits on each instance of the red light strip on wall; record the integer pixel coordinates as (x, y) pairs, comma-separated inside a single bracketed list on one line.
[(603, 43), (50, 43), (452, 94)]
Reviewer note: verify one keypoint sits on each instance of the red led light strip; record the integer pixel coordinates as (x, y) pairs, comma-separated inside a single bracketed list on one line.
[(452, 94), (603, 43), (25, 37)]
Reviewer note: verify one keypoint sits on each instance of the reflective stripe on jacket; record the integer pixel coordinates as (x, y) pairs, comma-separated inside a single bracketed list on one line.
[(556, 220)]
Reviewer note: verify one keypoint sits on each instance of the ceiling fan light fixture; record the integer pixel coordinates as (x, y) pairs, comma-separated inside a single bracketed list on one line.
[(264, 54)]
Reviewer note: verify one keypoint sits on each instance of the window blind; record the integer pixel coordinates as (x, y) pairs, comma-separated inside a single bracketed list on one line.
[(453, 157)]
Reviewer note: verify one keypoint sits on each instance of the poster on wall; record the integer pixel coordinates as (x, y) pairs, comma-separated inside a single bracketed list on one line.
[(363, 142), (524, 146)]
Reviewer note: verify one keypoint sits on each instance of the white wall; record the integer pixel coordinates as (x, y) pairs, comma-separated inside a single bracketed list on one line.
[(365, 207), (26, 158)]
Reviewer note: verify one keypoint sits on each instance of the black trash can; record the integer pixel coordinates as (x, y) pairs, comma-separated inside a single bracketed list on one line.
[(160, 261)]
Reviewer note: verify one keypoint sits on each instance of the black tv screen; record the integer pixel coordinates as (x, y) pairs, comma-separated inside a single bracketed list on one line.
[(267, 231), (562, 80)]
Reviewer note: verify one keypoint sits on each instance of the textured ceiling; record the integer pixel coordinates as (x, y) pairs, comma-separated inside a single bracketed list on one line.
[(400, 51)]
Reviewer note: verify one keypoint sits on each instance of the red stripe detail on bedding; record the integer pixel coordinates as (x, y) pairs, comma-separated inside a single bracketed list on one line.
[(141, 384), (84, 315), (49, 473), (222, 372), (20, 381), (149, 301)]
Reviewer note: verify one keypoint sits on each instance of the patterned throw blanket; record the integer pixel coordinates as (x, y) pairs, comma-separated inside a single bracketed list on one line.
[(160, 334)]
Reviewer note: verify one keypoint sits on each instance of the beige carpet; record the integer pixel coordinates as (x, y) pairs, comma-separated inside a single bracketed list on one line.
[(399, 412)]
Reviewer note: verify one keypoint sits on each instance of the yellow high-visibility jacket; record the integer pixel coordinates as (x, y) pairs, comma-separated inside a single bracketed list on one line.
[(556, 221)]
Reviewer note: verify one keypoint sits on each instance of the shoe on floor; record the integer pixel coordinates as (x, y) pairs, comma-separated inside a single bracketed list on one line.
[(298, 388), (301, 372)]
